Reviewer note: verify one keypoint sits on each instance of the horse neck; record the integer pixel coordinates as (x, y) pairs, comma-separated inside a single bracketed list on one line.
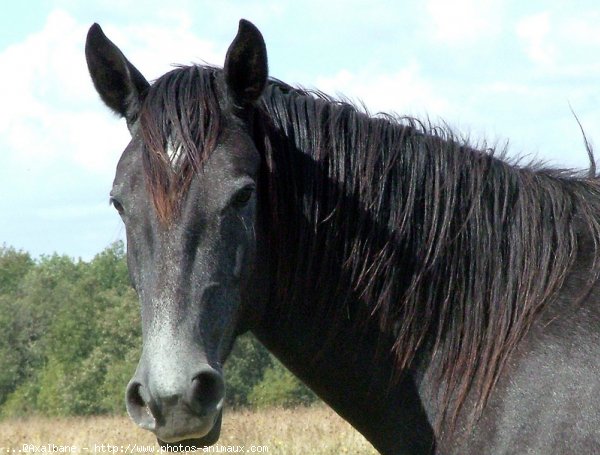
[(312, 321), (368, 219), (352, 372)]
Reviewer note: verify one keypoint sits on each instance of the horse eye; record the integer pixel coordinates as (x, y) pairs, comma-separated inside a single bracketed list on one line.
[(241, 197), (117, 205)]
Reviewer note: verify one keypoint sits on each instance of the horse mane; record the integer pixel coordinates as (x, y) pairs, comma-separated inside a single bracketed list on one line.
[(441, 242)]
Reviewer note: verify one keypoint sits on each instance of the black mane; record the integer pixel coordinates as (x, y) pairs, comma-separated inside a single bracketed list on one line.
[(442, 242)]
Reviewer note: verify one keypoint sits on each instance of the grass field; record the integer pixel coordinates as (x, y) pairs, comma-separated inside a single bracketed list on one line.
[(314, 430)]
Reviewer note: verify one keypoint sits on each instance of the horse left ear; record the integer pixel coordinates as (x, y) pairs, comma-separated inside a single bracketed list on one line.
[(246, 69), (119, 83)]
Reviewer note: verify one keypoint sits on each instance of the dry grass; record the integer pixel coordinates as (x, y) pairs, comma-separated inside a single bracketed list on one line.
[(314, 430)]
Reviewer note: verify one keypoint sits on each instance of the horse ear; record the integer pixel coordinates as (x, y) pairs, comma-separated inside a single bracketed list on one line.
[(119, 83), (246, 69)]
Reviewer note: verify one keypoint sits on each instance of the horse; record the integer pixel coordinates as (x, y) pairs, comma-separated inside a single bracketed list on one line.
[(439, 296)]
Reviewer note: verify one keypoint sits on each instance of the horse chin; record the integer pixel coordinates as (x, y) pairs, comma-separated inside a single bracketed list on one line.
[(209, 439)]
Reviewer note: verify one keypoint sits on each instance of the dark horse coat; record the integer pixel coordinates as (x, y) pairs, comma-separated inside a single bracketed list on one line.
[(438, 297)]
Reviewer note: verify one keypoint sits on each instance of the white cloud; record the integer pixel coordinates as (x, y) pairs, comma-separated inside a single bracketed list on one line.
[(536, 32), (49, 94), (560, 48), (403, 91), (54, 112), (463, 21), (583, 30), (155, 48), (59, 144)]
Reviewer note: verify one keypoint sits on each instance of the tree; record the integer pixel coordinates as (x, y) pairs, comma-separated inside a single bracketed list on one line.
[(244, 369), (70, 340), (279, 387), (14, 265)]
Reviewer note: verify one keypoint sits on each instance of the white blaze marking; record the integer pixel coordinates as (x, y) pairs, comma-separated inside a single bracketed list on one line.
[(174, 154)]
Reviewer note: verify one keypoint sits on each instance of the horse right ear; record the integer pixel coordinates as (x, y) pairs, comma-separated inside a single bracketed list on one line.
[(246, 68), (119, 83)]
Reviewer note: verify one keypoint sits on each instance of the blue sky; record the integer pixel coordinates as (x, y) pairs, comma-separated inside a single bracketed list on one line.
[(503, 70)]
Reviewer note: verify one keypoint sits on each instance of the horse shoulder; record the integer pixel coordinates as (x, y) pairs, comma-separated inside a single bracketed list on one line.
[(548, 398)]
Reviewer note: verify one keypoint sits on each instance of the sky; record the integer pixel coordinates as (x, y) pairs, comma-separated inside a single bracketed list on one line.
[(495, 70)]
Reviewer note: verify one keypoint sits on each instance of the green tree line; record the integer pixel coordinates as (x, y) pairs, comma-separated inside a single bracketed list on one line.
[(70, 339)]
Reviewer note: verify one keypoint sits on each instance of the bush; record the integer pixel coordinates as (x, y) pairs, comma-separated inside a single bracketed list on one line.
[(244, 369), (118, 374), (279, 387), (22, 401)]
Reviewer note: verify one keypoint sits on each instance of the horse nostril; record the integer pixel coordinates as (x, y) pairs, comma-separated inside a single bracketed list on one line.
[(207, 391), (136, 401)]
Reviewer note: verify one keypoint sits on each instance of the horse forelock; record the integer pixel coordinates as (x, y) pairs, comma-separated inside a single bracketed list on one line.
[(180, 121)]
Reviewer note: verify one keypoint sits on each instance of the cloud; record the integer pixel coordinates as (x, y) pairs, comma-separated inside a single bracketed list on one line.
[(55, 114), (583, 30), (486, 64), (402, 91), (561, 44), (535, 32), (50, 117), (463, 22), (59, 144)]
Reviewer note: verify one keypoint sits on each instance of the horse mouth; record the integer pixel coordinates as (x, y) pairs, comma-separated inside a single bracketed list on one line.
[(195, 435)]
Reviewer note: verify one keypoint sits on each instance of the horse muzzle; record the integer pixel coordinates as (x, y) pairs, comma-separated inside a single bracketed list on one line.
[(179, 411)]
